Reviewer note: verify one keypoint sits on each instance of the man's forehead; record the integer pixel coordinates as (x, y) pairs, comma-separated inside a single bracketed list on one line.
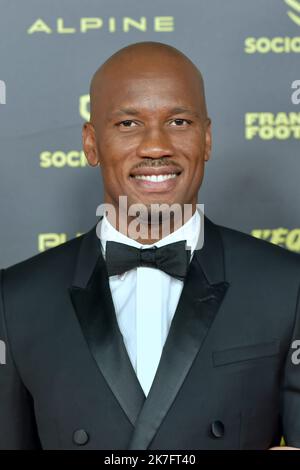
[(137, 80), (125, 90)]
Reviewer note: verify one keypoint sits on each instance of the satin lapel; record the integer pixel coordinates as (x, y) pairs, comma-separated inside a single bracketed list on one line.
[(93, 304), (198, 305)]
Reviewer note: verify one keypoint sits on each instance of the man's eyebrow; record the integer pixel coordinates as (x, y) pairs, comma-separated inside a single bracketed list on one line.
[(182, 110), (135, 112), (122, 111)]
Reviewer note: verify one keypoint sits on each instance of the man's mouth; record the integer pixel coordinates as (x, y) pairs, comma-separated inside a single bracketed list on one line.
[(156, 180)]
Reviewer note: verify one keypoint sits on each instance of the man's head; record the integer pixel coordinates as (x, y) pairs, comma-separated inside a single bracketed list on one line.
[(148, 117)]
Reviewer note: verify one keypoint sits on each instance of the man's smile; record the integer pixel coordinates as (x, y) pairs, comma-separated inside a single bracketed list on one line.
[(156, 179)]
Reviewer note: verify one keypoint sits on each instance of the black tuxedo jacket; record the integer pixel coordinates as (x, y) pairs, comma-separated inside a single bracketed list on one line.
[(226, 378)]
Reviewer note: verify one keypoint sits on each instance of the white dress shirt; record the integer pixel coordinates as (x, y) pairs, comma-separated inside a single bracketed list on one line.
[(145, 300)]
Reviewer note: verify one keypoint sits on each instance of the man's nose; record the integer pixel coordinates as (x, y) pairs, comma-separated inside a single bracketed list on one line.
[(155, 143)]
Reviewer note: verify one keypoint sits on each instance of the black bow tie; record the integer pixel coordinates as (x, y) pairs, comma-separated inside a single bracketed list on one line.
[(173, 258)]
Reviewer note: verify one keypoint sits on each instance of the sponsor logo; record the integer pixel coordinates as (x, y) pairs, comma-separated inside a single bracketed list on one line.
[(84, 107), (125, 24), (268, 126), (60, 159), (50, 240), (284, 237), (277, 44), (294, 13)]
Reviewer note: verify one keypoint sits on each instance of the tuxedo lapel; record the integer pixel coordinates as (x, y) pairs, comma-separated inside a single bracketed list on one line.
[(93, 304), (198, 305)]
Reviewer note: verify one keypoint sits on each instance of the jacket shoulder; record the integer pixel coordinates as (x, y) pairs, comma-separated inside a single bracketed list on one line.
[(240, 244), (55, 263)]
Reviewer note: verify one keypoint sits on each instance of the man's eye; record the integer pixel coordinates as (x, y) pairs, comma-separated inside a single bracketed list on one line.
[(126, 123), (180, 122)]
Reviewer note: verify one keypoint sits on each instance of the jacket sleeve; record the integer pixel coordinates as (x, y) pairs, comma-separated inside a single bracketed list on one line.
[(17, 422), (291, 386)]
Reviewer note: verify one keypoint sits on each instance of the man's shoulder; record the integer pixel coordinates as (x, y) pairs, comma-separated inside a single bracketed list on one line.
[(54, 263), (240, 244)]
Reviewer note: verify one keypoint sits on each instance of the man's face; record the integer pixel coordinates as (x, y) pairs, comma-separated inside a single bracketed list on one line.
[(150, 136)]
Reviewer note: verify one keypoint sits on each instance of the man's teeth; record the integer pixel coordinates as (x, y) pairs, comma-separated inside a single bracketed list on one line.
[(156, 178)]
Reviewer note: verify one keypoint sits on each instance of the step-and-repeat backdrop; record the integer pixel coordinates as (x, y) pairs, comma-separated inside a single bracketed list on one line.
[(249, 54)]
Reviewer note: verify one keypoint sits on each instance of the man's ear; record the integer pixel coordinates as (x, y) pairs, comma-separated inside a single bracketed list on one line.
[(208, 139), (89, 144)]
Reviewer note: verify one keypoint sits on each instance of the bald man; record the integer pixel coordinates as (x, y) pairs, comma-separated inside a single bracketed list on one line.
[(132, 336)]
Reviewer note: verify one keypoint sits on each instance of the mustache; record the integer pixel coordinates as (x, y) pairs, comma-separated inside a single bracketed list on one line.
[(150, 163)]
